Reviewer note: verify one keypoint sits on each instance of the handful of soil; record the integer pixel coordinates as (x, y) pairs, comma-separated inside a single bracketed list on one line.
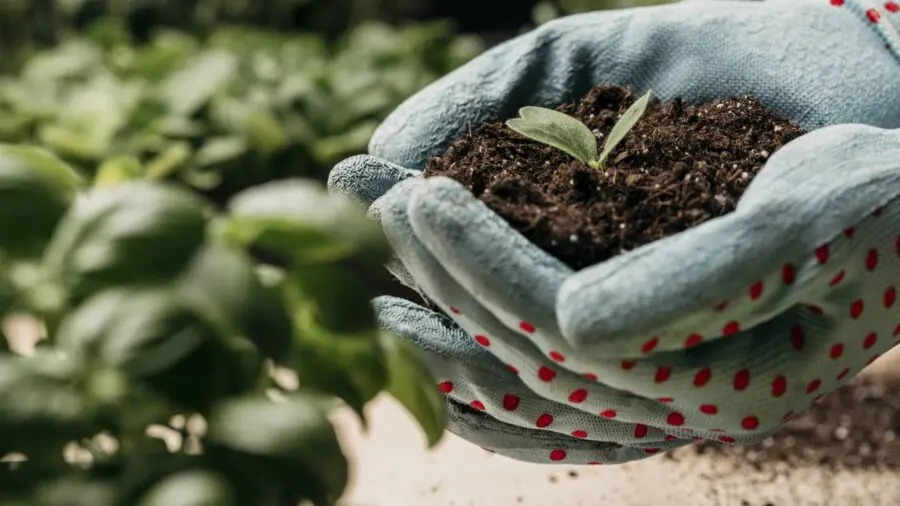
[(677, 168)]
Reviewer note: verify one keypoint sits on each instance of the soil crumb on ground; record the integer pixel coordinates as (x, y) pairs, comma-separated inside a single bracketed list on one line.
[(678, 167)]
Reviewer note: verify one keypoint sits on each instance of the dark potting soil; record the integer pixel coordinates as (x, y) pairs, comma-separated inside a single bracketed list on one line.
[(855, 427), (678, 167)]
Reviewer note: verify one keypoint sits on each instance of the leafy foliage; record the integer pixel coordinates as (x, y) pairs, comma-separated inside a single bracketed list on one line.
[(220, 113), (157, 322)]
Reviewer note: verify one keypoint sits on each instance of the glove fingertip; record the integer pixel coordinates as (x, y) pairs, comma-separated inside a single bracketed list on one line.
[(431, 332), (365, 178)]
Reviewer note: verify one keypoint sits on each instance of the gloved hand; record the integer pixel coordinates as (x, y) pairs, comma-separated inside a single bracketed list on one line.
[(788, 296)]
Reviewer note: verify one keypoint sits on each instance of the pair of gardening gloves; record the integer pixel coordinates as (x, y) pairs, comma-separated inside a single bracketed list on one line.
[(788, 297)]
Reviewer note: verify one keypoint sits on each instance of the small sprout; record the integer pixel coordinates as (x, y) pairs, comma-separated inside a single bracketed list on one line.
[(571, 136)]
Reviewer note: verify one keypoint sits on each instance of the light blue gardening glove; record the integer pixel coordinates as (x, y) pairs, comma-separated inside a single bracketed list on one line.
[(718, 332)]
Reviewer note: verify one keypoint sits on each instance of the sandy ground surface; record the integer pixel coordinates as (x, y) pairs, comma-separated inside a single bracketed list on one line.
[(393, 468)]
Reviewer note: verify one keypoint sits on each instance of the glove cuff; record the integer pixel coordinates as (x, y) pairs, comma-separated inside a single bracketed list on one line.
[(882, 15)]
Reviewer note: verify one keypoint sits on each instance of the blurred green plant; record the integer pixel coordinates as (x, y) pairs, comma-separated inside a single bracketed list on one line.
[(241, 107), (167, 373), (44, 22)]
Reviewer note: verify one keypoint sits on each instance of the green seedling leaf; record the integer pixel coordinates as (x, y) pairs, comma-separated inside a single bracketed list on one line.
[(118, 170), (629, 118), (558, 130), (299, 220), (239, 298), (293, 440), (155, 336), (190, 488), (413, 386), (131, 233), (36, 188)]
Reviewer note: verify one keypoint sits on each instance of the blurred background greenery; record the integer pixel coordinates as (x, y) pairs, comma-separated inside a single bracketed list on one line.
[(225, 94)]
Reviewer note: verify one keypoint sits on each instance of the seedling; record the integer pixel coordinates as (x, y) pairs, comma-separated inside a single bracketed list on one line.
[(567, 134)]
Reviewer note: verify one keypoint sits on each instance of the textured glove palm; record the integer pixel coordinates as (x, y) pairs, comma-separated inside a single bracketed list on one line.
[(788, 296)]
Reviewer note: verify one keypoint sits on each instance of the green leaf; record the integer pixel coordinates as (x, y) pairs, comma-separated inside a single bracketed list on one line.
[(8, 296), (223, 149), (301, 221), (71, 58), (558, 130), (629, 118), (96, 111), (266, 132), (76, 491), (293, 440), (36, 188), (224, 282), (334, 297), (349, 366), (169, 161), (328, 150), (156, 336), (41, 410), (186, 91), (190, 488), (118, 170), (180, 127), (411, 384), (130, 233)]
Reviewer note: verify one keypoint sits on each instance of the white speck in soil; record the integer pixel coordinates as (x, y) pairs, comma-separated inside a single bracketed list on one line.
[(573, 238), (777, 128)]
